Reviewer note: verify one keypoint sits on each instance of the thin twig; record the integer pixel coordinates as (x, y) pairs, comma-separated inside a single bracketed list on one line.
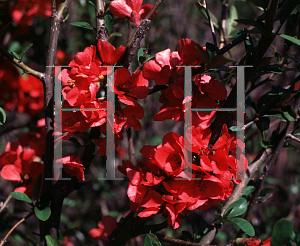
[(290, 136), (20, 64), (211, 23), (5, 203), (249, 124), (14, 227)]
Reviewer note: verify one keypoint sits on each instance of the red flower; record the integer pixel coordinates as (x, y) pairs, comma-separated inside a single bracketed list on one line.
[(163, 67), (252, 241), (131, 9), (130, 85), (24, 11), (73, 166), (106, 227), (267, 242), (21, 166), (23, 93)]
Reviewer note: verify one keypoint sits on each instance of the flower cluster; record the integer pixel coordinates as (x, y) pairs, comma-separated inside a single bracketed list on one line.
[(83, 87), (159, 185), (23, 93), (21, 166), (167, 69), (23, 11)]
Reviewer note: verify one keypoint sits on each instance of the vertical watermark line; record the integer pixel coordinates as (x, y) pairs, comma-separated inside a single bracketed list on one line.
[(110, 123), (240, 117), (57, 167)]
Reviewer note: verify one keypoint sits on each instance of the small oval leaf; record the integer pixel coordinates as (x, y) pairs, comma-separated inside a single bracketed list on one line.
[(51, 241), (237, 208), (42, 214), (244, 225), (83, 25), (108, 22), (21, 196)]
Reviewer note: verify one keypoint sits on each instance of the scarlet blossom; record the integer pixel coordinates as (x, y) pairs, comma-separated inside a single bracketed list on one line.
[(21, 166), (22, 93), (167, 69), (252, 241), (104, 230), (84, 89), (72, 165), (159, 184), (131, 9), (24, 11)]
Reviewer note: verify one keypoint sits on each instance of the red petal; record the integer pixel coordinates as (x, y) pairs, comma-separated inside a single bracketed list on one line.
[(120, 8), (9, 172), (152, 199), (148, 212)]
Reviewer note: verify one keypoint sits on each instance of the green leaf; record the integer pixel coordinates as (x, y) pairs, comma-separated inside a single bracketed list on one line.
[(108, 21), (51, 241), (21, 196), (24, 50), (36, 188), (244, 225), (83, 25), (289, 113), (151, 240), (42, 214), (117, 34), (2, 116), (236, 208), (90, 2), (290, 38), (282, 232), (248, 190), (232, 16), (15, 55)]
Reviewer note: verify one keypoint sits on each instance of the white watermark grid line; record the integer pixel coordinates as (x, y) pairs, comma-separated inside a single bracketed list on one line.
[(110, 140)]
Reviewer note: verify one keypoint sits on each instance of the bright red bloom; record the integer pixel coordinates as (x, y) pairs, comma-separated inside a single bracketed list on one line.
[(158, 183), (252, 241), (130, 85), (24, 11), (23, 93), (167, 70), (131, 9), (73, 166), (21, 166), (163, 67), (106, 227)]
